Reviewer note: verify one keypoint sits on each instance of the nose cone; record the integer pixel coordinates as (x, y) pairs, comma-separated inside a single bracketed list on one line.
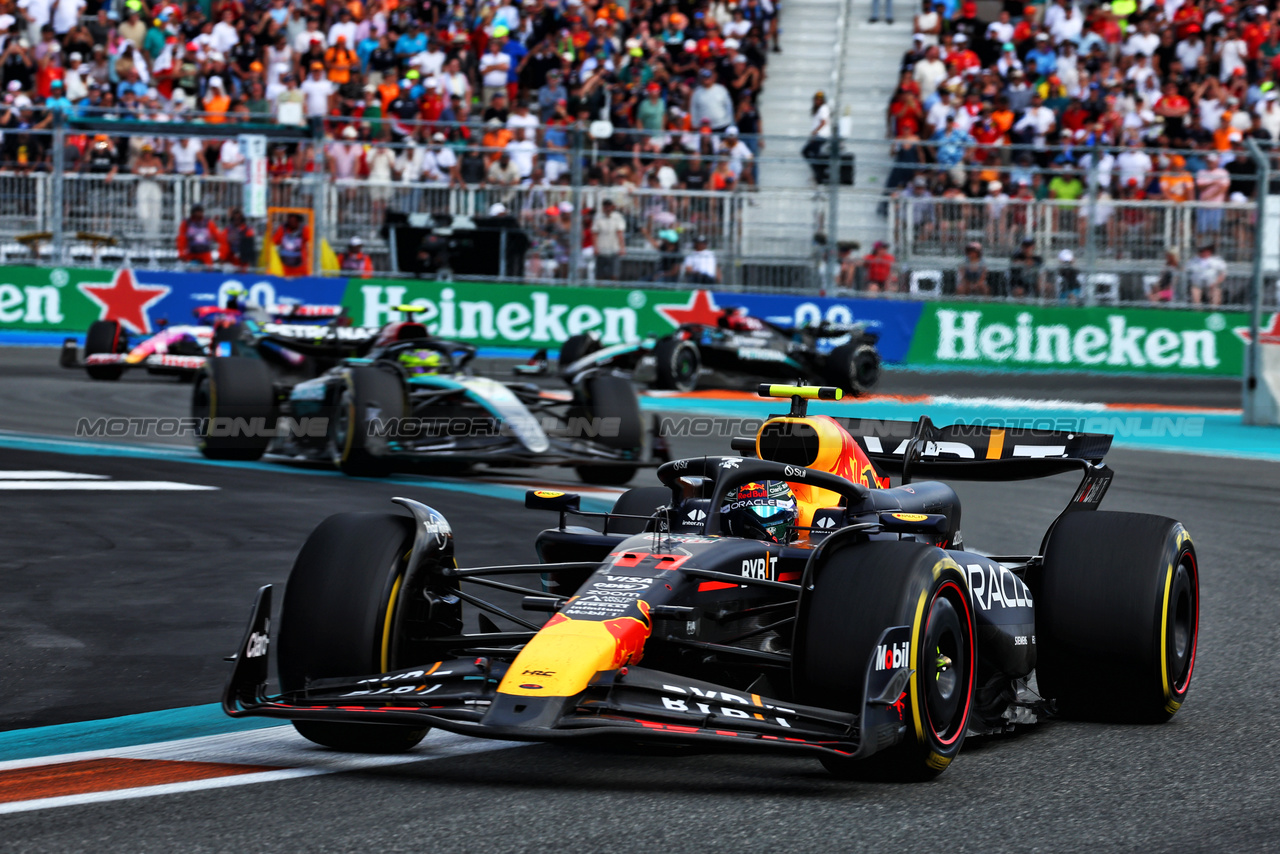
[(563, 658)]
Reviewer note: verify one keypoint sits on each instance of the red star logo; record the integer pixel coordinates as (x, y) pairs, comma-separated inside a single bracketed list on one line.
[(125, 300), (700, 308), (1265, 336)]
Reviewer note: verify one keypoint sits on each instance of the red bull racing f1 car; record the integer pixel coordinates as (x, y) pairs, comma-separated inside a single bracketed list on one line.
[(786, 600)]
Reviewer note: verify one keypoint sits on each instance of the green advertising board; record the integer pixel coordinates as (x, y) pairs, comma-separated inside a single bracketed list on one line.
[(48, 298), (517, 315), (1071, 338)]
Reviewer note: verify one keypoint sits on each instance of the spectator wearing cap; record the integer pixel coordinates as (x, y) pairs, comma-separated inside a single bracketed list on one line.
[(710, 103), (1206, 273), (320, 94), (355, 261), (700, 266), (198, 237), (292, 241), (952, 148), (238, 247), (738, 157), (216, 102), (412, 42), (339, 60)]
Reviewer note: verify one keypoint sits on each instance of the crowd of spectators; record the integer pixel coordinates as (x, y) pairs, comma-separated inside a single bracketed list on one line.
[(474, 93), (1017, 109)]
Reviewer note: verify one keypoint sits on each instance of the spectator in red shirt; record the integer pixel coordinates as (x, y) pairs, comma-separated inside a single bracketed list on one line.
[(879, 267)]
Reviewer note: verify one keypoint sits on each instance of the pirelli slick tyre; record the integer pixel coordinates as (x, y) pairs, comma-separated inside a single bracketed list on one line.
[(613, 397), (337, 616), (368, 394), (853, 367), (676, 363), (1117, 617), (575, 348), (235, 399), (854, 594), (104, 336)]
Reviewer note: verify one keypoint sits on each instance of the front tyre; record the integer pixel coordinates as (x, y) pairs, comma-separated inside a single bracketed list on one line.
[(857, 592), (676, 363), (369, 395), (611, 400), (853, 367), (235, 400), (337, 616), (1117, 617), (574, 348), (104, 336)]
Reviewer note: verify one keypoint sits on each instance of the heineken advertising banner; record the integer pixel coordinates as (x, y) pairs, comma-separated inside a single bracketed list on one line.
[(521, 315), (1066, 338), (918, 334)]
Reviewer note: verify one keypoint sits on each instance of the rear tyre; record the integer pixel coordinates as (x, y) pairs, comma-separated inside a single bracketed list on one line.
[(641, 501), (575, 348), (337, 616), (104, 336), (888, 584), (236, 395), (613, 397), (1117, 617), (677, 364), (369, 394), (853, 367)]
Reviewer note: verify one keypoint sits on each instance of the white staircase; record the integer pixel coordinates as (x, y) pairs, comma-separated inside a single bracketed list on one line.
[(790, 208)]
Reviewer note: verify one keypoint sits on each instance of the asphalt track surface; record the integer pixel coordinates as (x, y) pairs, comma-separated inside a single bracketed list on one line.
[(125, 603)]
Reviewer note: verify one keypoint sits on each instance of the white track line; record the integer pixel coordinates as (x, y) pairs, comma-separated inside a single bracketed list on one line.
[(50, 475), (101, 486), (279, 746)]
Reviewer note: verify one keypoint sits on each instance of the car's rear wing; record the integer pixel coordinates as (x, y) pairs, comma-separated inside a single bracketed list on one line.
[(974, 452)]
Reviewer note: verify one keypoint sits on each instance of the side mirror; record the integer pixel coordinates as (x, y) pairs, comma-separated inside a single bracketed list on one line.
[(543, 499)]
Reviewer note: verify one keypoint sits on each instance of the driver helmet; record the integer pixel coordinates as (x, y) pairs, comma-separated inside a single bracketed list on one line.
[(420, 361), (761, 510)]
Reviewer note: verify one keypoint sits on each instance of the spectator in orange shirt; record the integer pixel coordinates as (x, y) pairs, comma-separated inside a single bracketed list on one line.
[(340, 59), (1002, 117), (496, 137), (1177, 185), (197, 238), (355, 262), (216, 101)]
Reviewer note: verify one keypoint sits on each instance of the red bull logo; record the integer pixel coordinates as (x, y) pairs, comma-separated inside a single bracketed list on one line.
[(753, 490), (630, 635)]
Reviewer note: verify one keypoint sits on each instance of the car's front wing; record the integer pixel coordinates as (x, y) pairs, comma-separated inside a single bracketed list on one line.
[(631, 703)]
